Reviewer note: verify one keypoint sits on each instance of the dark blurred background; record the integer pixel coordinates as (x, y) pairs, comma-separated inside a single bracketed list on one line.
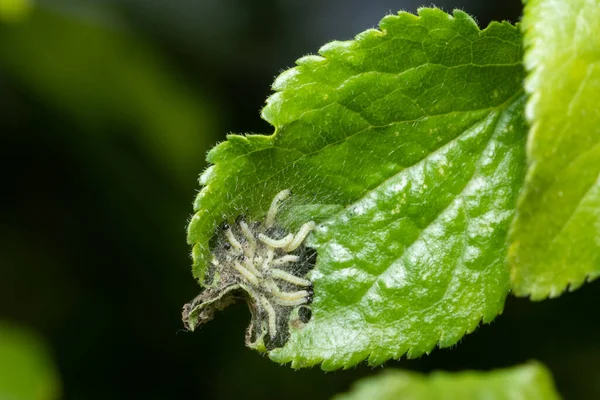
[(107, 111)]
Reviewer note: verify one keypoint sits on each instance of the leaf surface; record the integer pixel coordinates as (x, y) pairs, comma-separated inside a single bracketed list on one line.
[(531, 381), (555, 238), (406, 146)]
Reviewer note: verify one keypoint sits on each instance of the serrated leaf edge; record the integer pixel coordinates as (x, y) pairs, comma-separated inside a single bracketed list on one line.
[(281, 84)]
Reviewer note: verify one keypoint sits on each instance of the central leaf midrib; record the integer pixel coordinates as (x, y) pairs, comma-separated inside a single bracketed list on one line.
[(503, 106)]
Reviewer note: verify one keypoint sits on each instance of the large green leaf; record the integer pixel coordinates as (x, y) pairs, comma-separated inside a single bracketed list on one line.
[(406, 146), (555, 240), (26, 370), (526, 382)]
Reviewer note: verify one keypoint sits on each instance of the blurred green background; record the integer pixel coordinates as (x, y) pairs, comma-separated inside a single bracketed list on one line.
[(108, 108)]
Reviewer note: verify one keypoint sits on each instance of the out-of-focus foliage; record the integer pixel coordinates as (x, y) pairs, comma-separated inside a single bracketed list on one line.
[(102, 136), (555, 241), (102, 74), (14, 10), (26, 369), (527, 382)]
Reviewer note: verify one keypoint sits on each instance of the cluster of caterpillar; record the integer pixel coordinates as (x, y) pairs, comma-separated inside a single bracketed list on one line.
[(267, 265)]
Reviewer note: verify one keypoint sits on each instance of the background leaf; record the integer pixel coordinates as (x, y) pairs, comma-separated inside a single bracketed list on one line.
[(415, 132), (531, 381), (115, 78), (14, 10), (555, 236), (26, 370)]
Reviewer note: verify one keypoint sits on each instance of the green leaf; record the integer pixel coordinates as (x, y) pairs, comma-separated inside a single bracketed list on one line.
[(26, 370), (555, 236), (531, 381), (406, 146)]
